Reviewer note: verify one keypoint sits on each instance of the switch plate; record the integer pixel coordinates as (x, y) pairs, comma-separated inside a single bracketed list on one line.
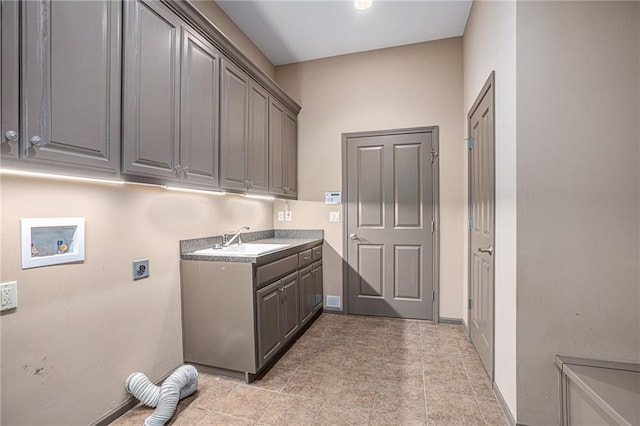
[(8, 295), (288, 216), (334, 216), (280, 216), (140, 269)]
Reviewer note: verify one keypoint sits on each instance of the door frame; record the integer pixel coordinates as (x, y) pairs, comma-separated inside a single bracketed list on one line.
[(488, 85), (435, 169)]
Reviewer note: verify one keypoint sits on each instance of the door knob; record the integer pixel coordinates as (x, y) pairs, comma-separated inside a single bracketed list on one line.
[(355, 237), (486, 250)]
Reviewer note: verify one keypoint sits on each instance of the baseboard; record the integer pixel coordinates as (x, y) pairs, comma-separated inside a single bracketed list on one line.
[(503, 404), (326, 310), (125, 406), (454, 321), (466, 329)]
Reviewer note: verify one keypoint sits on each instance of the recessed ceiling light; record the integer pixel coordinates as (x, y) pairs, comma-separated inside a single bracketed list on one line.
[(362, 4)]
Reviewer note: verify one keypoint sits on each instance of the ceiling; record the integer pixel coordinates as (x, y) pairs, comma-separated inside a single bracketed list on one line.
[(299, 30)]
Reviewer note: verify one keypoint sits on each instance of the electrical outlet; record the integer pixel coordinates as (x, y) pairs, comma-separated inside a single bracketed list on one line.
[(288, 216), (140, 269), (8, 295), (280, 216)]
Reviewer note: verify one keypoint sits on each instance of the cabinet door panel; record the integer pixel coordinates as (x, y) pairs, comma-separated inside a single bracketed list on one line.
[(71, 81), (291, 311), (151, 81), (269, 308), (258, 143), (9, 79), (276, 147), (307, 294), (291, 154), (233, 126), (199, 118), (317, 287)]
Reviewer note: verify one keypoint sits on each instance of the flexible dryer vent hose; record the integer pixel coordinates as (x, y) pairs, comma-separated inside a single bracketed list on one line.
[(180, 384)]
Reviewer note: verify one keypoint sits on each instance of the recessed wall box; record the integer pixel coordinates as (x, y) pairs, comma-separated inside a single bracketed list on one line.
[(52, 241)]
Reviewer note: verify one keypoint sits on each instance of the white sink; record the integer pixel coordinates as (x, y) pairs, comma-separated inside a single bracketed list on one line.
[(247, 249)]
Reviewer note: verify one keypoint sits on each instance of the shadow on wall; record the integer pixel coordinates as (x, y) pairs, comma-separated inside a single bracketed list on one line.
[(334, 265)]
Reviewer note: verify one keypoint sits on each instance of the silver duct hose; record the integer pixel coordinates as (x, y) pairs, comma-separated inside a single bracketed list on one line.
[(180, 384)]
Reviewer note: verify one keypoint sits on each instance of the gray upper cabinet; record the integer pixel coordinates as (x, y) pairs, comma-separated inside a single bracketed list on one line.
[(70, 84), (291, 154), (244, 127), (199, 110), (9, 80), (276, 147), (283, 150), (234, 115), (151, 105), (258, 142)]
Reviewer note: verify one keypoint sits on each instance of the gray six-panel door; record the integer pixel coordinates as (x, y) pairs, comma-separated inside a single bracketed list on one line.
[(390, 210), (481, 210)]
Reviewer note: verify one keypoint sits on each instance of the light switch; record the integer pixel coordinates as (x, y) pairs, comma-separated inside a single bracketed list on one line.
[(334, 216)]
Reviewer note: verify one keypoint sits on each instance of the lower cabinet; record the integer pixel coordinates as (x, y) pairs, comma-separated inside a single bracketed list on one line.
[(278, 315), (238, 317)]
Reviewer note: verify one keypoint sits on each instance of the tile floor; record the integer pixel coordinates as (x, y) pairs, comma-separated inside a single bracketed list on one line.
[(353, 370)]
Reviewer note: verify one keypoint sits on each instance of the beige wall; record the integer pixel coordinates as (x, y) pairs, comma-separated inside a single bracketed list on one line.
[(220, 19), (81, 329), (409, 86), (489, 44), (578, 79)]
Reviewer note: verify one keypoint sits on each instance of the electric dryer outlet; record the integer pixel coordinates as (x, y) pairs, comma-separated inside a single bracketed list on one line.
[(140, 269)]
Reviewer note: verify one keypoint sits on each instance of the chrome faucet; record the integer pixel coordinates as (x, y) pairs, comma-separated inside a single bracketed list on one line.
[(226, 241)]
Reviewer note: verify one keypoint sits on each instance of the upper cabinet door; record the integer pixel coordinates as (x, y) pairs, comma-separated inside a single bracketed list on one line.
[(199, 118), (258, 143), (234, 115), (291, 154), (151, 90), (276, 147), (71, 83), (9, 80)]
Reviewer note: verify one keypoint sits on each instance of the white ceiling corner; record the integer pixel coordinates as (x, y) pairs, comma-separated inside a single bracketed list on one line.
[(289, 31)]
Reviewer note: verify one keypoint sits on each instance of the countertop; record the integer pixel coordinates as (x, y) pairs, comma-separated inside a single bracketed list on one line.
[(297, 240)]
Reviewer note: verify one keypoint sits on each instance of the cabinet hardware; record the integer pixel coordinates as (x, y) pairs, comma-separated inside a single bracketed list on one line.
[(36, 141), (11, 135), (177, 170), (184, 171)]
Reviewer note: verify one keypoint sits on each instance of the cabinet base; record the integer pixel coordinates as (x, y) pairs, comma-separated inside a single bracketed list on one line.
[(249, 377)]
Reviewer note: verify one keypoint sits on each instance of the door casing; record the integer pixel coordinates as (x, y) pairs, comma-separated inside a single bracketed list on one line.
[(436, 212)]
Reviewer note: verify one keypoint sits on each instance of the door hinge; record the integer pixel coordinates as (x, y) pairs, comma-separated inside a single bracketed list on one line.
[(470, 223), (469, 142), (433, 226), (470, 305), (434, 155), (433, 296)]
